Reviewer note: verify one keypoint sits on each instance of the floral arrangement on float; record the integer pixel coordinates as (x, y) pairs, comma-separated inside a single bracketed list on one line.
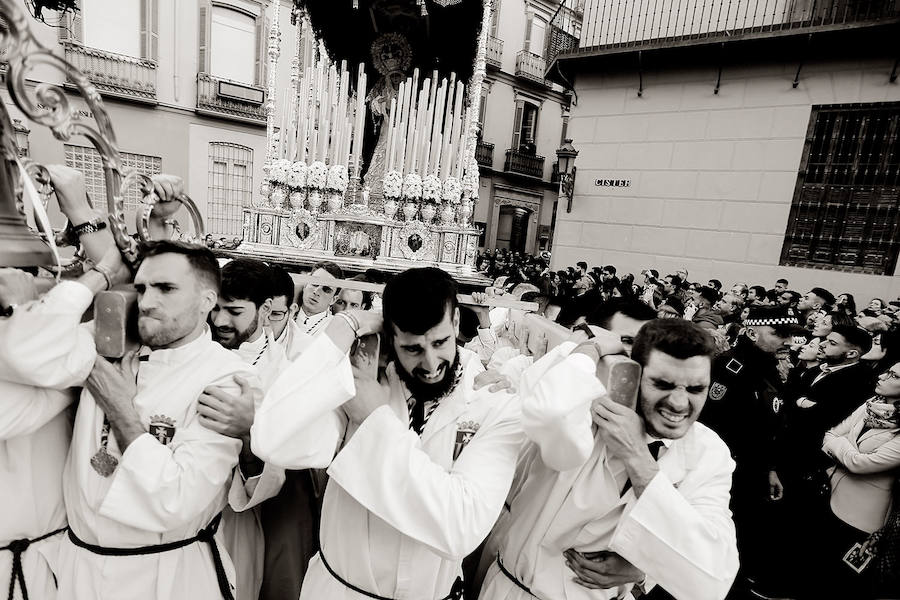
[(431, 195), (296, 181), (316, 181), (336, 186), (393, 190), (412, 191), (451, 193)]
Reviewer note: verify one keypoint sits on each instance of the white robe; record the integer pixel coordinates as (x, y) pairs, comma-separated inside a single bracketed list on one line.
[(313, 324), (400, 513), (43, 352), (679, 532), (241, 529), (294, 340), (158, 493)]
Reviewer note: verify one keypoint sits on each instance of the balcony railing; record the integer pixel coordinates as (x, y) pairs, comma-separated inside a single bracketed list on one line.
[(530, 66), (225, 98), (484, 154), (114, 74), (524, 164), (565, 29), (619, 25), (494, 51)]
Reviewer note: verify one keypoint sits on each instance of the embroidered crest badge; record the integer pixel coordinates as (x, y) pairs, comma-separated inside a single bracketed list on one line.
[(777, 403), (717, 391), (465, 431), (162, 428)]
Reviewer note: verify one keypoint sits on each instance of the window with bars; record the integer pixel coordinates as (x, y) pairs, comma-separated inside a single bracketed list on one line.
[(230, 187), (87, 160), (845, 213)]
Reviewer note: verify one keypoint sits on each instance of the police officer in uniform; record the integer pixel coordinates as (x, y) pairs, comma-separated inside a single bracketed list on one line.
[(744, 407)]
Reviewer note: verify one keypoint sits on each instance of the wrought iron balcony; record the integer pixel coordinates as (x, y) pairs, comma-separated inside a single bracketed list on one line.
[(224, 98), (114, 74), (530, 66), (484, 154), (616, 26), (494, 51), (524, 164)]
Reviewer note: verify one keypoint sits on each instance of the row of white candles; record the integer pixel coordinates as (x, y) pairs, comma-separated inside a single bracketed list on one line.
[(427, 127), (323, 123)]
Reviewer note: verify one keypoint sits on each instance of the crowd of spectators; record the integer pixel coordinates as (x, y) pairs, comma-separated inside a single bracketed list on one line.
[(805, 393)]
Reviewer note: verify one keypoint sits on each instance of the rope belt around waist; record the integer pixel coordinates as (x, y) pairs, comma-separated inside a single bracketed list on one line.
[(456, 592), (18, 548), (205, 535), (512, 578)]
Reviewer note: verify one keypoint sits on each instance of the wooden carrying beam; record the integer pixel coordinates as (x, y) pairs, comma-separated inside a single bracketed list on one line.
[(365, 286)]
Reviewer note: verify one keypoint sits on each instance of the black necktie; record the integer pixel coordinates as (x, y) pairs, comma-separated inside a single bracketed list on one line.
[(654, 448)]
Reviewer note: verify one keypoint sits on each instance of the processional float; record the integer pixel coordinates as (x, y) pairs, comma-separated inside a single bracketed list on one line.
[(371, 160)]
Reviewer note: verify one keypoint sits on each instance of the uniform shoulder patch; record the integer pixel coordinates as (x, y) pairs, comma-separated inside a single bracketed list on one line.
[(162, 428), (734, 366), (717, 391)]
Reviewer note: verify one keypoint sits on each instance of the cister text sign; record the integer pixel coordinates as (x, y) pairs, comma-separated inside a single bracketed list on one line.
[(612, 182)]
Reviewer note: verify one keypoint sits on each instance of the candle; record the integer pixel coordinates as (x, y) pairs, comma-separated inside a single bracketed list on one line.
[(390, 122)]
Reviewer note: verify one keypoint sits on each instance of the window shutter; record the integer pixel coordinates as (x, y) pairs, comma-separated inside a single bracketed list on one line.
[(528, 24), (149, 29), (495, 18), (74, 26), (260, 73), (517, 126), (203, 36)]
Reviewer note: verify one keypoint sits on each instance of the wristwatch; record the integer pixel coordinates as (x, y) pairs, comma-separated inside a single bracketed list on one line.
[(87, 227)]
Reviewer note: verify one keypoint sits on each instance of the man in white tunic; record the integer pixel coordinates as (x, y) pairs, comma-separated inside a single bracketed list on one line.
[(44, 351), (426, 462), (236, 323), (281, 319), (591, 506), (145, 481), (316, 299)]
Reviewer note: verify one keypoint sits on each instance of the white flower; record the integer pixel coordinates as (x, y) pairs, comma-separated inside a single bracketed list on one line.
[(317, 175), (296, 176), (452, 190), (277, 174), (412, 187), (393, 184), (431, 188), (337, 178)]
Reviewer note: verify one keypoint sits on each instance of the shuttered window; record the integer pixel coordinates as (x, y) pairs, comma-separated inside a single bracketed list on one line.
[(231, 40), (230, 187), (845, 214)]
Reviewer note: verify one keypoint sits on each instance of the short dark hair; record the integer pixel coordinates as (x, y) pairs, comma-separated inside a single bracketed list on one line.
[(610, 269), (759, 290), (676, 279), (855, 336), (333, 268), (247, 279), (634, 309), (716, 284), (581, 265), (201, 259), (282, 284), (825, 295), (417, 299), (784, 281), (709, 294), (678, 338), (468, 322)]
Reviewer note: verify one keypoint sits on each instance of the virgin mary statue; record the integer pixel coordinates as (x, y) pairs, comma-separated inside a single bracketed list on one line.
[(392, 57)]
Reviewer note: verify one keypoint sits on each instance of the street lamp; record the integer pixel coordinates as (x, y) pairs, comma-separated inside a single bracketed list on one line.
[(21, 132), (565, 156)]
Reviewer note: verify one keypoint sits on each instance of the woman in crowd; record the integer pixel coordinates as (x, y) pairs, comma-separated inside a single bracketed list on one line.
[(866, 451)]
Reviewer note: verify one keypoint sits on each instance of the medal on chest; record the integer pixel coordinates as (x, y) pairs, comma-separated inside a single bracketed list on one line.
[(102, 461)]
